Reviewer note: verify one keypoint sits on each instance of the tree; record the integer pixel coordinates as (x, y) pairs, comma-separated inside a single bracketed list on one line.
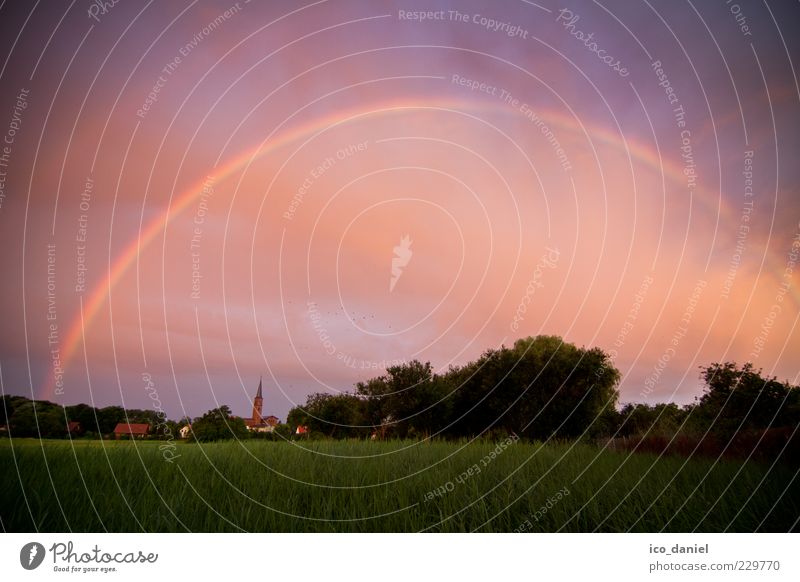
[(297, 416), (741, 398), (38, 419), (282, 432), (108, 418), (408, 401), (218, 424), (8, 405), (52, 420), (332, 415), (84, 414), (541, 388), (22, 422), (165, 428), (660, 419)]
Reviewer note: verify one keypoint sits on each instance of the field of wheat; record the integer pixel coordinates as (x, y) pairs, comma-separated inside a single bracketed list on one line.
[(402, 486)]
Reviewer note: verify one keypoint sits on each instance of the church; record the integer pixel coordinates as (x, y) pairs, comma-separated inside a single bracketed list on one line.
[(257, 422)]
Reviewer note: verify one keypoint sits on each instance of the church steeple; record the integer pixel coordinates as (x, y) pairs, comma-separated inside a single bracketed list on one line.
[(257, 405)]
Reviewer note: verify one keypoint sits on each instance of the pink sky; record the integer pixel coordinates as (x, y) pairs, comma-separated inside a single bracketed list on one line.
[(372, 118)]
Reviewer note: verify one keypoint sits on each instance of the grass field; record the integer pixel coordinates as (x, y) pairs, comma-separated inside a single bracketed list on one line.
[(358, 486)]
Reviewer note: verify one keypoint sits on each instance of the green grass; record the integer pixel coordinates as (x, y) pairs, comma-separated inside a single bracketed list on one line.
[(358, 486)]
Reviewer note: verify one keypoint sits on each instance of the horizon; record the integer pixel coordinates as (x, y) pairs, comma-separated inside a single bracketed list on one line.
[(617, 405)]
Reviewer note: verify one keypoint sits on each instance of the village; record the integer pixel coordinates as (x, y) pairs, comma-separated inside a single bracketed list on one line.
[(49, 420)]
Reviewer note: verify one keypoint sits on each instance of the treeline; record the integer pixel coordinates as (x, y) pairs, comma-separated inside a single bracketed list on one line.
[(543, 388), (741, 414), (23, 417), (540, 388)]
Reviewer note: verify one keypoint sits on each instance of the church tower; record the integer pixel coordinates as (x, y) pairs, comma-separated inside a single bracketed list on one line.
[(257, 404)]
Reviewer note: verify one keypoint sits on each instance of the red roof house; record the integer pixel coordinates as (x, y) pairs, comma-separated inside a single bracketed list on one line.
[(132, 430)]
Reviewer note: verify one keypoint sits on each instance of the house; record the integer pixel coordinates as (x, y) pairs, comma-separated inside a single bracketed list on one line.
[(185, 430), (257, 422), (301, 429), (74, 428), (131, 430)]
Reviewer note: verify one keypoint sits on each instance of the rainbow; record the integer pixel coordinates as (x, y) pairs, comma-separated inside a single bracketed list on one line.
[(130, 253)]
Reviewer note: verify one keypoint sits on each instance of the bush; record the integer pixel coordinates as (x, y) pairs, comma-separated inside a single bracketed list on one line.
[(216, 425)]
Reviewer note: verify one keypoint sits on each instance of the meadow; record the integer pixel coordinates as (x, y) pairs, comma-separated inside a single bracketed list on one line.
[(393, 486)]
